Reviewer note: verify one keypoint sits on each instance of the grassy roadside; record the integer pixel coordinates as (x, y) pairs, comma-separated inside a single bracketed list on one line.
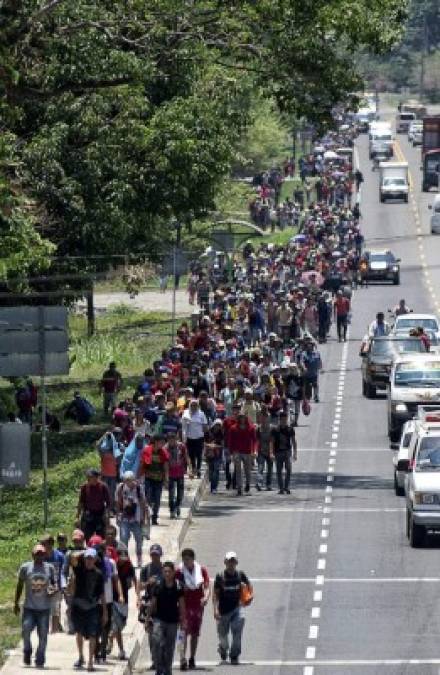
[(134, 339)]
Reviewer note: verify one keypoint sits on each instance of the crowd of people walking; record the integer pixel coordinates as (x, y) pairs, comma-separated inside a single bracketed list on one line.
[(228, 394)]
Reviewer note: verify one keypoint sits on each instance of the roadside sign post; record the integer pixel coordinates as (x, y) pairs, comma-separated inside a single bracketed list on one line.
[(42, 354), (34, 341)]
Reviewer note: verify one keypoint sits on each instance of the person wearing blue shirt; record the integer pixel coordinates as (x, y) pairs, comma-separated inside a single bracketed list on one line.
[(312, 364), (55, 558)]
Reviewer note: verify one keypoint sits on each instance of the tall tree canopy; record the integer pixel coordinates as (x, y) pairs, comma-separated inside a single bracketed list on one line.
[(123, 114)]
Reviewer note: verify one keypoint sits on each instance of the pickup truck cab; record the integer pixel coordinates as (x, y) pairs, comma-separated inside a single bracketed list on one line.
[(422, 484), (414, 382)]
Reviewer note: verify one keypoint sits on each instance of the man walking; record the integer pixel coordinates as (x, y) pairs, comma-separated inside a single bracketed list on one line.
[(150, 576), (341, 310), (194, 427), (154, 466), (242, 440), (194, 579), (93, 505), (312, 364), (131, 511), (38, 579), (89, 607), (168, 608), (111, 384), (283, 446), (227, 595)]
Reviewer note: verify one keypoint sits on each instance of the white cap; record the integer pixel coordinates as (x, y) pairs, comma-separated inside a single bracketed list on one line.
[(231, 555)]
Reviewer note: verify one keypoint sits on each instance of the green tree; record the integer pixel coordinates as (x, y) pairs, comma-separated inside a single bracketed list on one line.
[(127, 114)]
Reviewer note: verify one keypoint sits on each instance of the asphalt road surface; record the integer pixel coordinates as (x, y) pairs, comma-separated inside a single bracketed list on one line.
[(338, 590)]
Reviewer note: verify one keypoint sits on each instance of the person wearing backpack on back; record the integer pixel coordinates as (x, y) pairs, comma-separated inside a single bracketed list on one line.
[(230, 587), (80, 409), (131, 511)]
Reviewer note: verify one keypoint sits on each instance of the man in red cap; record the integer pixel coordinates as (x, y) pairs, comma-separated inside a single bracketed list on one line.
[(38, 578)]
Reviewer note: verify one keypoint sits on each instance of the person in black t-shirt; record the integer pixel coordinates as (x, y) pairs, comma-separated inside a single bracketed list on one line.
[(227, 599), (283, 445), (87, 602), (168, 608), (150, 575)]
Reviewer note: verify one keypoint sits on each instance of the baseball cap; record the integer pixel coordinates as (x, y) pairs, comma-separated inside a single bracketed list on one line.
[(95, 540), (156, 549), (92, 472), (77, 534), (90, 553), (38, 548), (128, 475), (231, 555)]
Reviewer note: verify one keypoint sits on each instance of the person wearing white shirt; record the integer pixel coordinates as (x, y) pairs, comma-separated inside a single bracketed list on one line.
[(194, 426)]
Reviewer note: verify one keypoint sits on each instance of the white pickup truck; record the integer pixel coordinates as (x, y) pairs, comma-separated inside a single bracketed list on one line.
[(393, 181), (422, 485)]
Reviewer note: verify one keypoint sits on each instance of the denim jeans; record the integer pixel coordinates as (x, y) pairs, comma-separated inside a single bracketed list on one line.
[(153, 491), (39, 619), (262, 462), (126, 528), (175, 493), (234, 622), (163, 641), (214, 472), (283, 460)]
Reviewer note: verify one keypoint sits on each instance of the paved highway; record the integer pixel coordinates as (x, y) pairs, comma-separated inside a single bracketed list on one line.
[(338, 590)]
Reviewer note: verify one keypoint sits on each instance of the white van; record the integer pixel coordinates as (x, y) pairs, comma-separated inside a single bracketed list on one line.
[(435, 217), (403, 120)]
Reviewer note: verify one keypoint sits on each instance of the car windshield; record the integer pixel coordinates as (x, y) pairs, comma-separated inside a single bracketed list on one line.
[(393, 347), (413, 374), (394, 181), (428, 456), (429, 324), (381, 257)]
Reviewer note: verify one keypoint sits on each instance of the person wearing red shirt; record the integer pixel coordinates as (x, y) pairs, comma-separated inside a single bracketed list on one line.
[(242, 440), (196, 591), (228, 423), (341, 310)]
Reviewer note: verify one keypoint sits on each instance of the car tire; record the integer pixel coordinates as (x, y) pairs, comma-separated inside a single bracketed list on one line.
[(405, 199), (370, 390), (397, 489), (416, 533), (393, 433), (424, 187), (396, 280), (382, 199)]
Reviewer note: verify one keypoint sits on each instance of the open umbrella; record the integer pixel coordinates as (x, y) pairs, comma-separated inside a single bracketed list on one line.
[(299, 238), (312, 276)]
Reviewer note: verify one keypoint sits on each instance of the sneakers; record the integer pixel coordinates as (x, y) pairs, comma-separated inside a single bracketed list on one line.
[(235, 661), (178, 512), (258, 486), (27, 658), (183, 664), (223, 654), (122, 656), (280, 492), (286, 491), (247, 488), (79, 664), (269, 488), (191, 663)]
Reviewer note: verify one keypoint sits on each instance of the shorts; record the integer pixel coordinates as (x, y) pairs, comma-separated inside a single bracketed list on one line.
[(119, 616), (87, 622), (194, 618), (55, 605)]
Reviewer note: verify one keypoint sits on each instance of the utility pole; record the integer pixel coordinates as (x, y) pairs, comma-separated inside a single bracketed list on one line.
[(424, 51)]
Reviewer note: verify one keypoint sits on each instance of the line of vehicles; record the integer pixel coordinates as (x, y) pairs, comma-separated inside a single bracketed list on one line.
[(407, 368), (423, 129)]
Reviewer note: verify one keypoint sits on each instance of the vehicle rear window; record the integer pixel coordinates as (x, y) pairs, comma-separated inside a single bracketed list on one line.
[(418, 374), (392, 347), (429, 324), (406, 440)]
